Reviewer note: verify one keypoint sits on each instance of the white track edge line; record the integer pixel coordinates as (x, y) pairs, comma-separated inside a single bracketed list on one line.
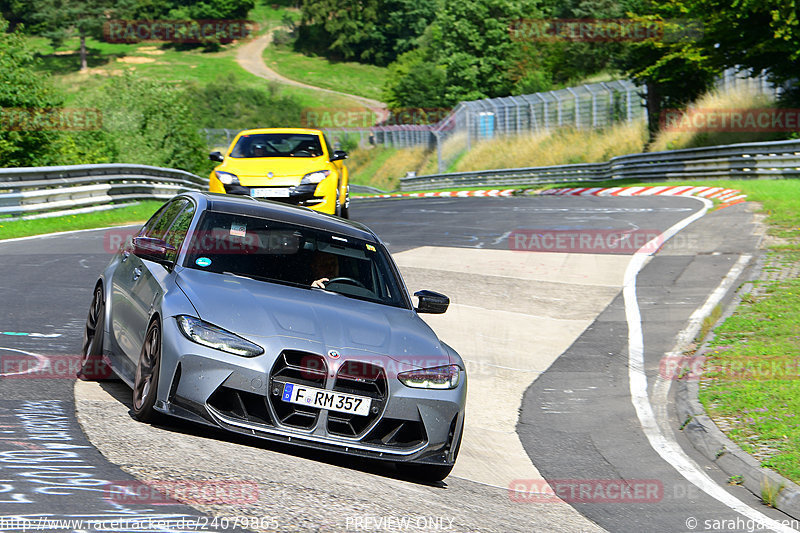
[(670, 450)]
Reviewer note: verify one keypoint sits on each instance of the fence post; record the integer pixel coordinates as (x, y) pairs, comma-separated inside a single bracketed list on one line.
[(577, 108), (439, 162)]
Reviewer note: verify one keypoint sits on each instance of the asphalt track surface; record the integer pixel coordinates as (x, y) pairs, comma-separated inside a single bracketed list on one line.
[(576, 421)]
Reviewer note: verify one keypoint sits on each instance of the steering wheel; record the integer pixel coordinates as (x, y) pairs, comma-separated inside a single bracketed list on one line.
[(349, 281)]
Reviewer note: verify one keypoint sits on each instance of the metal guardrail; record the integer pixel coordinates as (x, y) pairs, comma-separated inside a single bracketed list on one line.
[(45, 189), (48, 189), (780, 159)]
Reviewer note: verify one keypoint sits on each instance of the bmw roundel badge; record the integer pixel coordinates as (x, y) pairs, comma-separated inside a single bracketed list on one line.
[(333, 354)]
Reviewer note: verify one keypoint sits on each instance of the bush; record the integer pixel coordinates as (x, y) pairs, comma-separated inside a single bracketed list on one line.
[(21, 87), (281, 37), (224, 103), (144, 122)]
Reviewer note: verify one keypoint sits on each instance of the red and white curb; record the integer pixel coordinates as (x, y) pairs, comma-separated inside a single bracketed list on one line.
[(726, 196), (447, 194)]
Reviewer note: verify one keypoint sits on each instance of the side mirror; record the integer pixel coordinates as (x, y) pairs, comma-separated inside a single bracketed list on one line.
[(432, 302), (216, 156), (151, 249), (338, 155)]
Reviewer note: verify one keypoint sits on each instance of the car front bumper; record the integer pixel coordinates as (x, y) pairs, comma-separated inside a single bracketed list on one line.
[(242, 395), (320, 197)]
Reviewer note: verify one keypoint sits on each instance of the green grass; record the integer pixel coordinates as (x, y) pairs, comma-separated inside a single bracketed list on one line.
[(756, 378), (113, 217), (362, 174), (349, 77), (270, 14)]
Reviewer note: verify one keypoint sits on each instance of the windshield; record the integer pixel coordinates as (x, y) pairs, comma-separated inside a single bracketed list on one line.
[(277, 145), (277, 252)]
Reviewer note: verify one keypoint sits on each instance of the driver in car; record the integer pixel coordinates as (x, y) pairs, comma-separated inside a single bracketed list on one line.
[(260, 150), (324, 266)]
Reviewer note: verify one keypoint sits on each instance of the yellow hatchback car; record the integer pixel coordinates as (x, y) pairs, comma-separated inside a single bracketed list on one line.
[(289, 165)]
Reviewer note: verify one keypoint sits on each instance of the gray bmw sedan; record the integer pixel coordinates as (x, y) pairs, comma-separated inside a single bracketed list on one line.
[(276, 321)]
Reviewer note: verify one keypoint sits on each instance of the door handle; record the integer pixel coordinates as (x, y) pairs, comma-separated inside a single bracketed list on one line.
[(137, 272)]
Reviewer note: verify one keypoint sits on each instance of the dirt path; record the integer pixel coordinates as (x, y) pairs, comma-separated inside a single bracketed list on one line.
[(250, 57)]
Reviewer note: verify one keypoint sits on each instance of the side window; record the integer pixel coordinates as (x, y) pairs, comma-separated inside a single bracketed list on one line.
[(327, 146), (159, 229), (179, 229), (147, 229)]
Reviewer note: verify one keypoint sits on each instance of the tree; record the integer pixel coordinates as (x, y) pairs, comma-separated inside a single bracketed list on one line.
[(191, 9), (677, 65), (148, 122), (23, 93), (761, 35), (415, 81), (467, 53), (62, 19), (369, 31)]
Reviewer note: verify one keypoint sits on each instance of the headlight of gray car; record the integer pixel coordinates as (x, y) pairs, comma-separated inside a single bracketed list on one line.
[(214, 337), (440, 377)]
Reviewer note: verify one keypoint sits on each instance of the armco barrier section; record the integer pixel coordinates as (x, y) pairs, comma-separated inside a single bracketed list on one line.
[(42, 189), (780, 159), (47, 189)]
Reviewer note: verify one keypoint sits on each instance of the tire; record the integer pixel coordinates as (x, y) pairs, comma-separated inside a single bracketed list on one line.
[(92, 367), (337, 210), (145, 386), (345, 208)]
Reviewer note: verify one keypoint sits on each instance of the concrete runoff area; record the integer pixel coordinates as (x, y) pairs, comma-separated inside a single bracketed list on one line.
[(505, 351)]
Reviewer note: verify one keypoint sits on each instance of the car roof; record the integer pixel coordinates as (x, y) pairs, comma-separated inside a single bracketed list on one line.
[(280, 130), (303, 216)]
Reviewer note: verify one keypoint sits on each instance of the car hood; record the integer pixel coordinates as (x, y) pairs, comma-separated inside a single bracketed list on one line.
[(281, 167), (285, 316)]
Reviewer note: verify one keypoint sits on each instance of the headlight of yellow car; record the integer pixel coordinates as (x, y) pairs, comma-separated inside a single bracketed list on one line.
[(227, 178), (312, 178)]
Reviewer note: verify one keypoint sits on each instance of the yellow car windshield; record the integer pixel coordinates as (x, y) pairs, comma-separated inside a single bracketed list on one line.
[(277, 145)]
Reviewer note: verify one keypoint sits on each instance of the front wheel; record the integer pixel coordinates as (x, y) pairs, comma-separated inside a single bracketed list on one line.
[(92, 366), (345, 210), (145, 386)]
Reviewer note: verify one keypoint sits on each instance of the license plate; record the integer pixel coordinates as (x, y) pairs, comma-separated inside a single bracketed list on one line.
[(270, 192), (326, 399)]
